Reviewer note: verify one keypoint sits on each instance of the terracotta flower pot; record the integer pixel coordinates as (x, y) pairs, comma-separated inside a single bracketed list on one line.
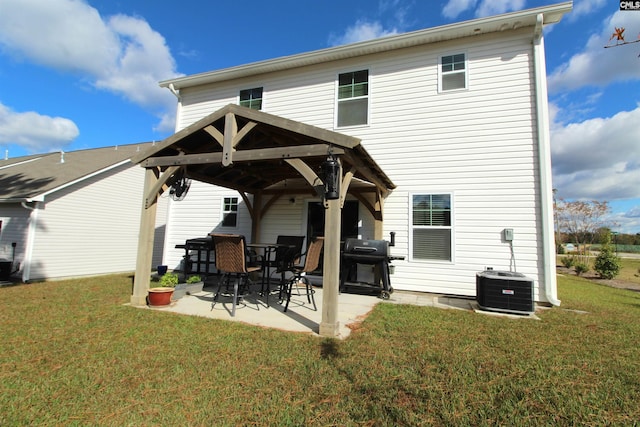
[(160, 296)]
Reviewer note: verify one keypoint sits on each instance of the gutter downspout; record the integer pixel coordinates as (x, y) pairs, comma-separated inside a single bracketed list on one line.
[(31, 237), (544, 159), (167, 246)]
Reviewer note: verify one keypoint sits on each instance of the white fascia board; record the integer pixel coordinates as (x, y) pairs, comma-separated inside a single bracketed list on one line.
[(510, 21)]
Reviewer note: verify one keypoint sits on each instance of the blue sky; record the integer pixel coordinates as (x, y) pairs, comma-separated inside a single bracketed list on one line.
[(78, 74)]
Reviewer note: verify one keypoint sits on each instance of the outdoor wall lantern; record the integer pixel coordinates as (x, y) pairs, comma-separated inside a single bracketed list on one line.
[(331, 176)]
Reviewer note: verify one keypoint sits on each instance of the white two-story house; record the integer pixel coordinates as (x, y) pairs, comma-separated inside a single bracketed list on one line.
[(454, 124)]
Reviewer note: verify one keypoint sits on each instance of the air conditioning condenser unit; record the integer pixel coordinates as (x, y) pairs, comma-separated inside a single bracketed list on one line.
[(504, 291)]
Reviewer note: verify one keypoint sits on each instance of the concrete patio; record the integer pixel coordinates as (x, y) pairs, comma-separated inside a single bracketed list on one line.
[(301, 317)]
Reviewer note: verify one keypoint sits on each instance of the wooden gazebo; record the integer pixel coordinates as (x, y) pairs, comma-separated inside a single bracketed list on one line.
[(263, 157)]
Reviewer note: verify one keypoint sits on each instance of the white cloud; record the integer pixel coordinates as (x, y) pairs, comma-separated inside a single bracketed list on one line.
[(361, 31), (35, 132), (453, 8), (496, 7), (597, 66), (585, 7), (627, 222), (598, 158), (121, 54)]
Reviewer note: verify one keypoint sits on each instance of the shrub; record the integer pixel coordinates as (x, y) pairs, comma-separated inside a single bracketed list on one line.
[(560, 249), (607, 264), (568, 261), (581, 268), (169, 280), (194, 279)]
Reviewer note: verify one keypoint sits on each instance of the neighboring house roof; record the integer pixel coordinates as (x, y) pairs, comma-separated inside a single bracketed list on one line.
[(494, 24), (31, 178)]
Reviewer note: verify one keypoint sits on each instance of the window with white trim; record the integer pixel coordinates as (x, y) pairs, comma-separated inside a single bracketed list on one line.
[(353, 98), (453, 72), (431, 230), (251, 98), (230, 212)]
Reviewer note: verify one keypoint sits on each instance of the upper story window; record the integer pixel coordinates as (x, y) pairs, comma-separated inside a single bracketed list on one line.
[(431, 229), (453, 72), (251, 98), (353, 98), (230, 212)]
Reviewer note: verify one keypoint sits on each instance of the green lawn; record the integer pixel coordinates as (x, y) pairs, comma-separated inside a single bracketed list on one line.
[(629, 268), (72, 353)]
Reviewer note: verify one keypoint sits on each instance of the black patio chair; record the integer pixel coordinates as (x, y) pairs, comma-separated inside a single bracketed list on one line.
[(286, 256), (311, 263)]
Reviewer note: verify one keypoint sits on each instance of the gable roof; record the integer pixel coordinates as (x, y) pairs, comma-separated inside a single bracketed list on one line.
[(493, 24), (252, 151), (31, 178)]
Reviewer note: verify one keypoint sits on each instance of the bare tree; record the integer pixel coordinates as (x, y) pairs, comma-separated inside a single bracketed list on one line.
[(582, 220)]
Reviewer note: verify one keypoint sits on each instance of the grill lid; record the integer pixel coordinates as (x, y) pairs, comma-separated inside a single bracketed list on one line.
[(374, 250)]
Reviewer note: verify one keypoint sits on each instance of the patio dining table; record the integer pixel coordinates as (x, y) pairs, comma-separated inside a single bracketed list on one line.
[(268, 256)]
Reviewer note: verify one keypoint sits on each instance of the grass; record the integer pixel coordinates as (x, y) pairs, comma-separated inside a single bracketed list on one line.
[(629, 271), (73, 354)]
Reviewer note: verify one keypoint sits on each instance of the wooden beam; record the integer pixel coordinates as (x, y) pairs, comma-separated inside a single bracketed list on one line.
[(142, 276), (243, 132), (230, 131), (329, 325), (366, 203), (176, 137), (159, 186), (307, 173), (378, 218), (366, 171), (215, 133), (256, 217), (335, 138), (344, 188), (248, 203), (277, 153), (223, 183)]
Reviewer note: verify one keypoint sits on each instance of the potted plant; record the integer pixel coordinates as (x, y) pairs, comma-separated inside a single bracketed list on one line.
[(161, 295), (193, 285)]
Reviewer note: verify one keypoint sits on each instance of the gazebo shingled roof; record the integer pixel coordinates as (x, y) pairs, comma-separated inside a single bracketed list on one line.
[(260, 151)]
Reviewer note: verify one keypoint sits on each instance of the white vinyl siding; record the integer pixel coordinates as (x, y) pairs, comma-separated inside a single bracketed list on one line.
[(15, 221), (478, 143), (92, 227)]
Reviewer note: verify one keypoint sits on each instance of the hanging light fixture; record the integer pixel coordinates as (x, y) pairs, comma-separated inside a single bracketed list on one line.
[(330, 169)]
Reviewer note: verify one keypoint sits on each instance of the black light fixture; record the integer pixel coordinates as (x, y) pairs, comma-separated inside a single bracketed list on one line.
[(331, 176)]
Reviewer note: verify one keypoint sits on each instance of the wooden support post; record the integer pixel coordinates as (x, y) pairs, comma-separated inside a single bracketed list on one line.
[(329, 326), (378, 225), (256, 218), (145, 243)]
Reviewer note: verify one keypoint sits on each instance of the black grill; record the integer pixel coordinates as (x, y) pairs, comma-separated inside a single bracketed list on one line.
[(368, 252), (202, 249), (365, 251)]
